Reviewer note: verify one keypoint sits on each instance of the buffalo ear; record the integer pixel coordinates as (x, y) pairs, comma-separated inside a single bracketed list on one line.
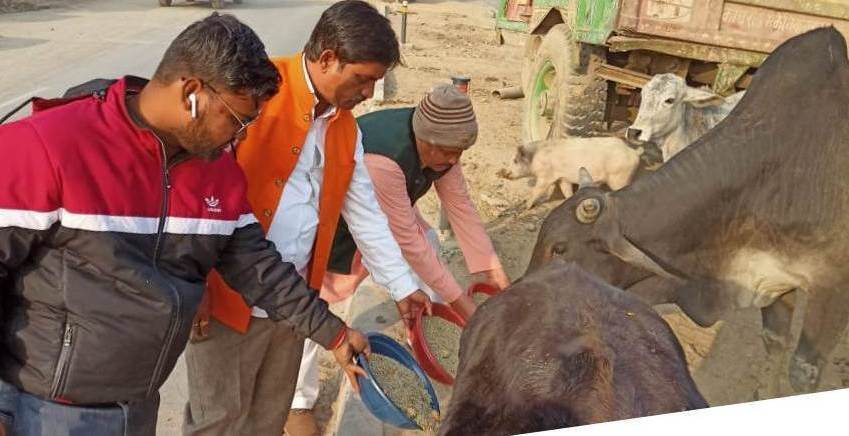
[(701, 98)]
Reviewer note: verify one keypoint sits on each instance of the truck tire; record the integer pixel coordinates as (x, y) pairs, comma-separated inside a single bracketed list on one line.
[(164, 2), (562, 95), (217, 4), (532, 43)]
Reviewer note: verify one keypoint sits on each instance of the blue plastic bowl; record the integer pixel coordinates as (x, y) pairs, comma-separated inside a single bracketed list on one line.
[(373, 396)]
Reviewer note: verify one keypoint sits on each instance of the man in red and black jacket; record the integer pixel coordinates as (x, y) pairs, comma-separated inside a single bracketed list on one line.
[(113, 209)]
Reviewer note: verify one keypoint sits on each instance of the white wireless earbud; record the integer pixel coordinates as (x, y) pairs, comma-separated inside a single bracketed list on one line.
[(193, 99)]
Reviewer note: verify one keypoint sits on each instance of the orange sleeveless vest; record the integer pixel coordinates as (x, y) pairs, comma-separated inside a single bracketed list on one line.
[(268, 155)]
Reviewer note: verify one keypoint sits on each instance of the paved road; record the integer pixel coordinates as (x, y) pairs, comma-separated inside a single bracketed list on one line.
[(44, 52)]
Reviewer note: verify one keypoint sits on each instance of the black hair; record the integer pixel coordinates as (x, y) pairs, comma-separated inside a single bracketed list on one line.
[(356, 32), (222, 51)]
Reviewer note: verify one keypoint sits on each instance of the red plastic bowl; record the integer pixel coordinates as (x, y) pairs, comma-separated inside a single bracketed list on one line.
[(482, 288), (421, 351)]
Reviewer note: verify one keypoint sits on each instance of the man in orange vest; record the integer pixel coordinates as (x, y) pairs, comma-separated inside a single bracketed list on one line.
[(304, 163)]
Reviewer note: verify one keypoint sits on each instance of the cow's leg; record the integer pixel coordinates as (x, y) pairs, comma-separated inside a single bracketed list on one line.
[(825, 320), (777, 319), (776, 323)]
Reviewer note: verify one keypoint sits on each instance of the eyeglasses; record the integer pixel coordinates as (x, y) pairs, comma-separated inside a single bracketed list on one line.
[(243, 124)]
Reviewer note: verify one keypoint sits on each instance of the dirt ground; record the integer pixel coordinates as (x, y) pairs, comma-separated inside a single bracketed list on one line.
[(728, 361)]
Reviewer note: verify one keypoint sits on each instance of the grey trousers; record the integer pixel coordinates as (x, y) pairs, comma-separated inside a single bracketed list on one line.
[(242, 384), (26, 415)]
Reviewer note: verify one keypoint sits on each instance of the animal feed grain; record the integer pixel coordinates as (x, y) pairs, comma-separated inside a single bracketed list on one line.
[(404, 388), (443, 340)]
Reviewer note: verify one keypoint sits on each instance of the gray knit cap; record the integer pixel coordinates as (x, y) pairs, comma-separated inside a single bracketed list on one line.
[(445, 118)]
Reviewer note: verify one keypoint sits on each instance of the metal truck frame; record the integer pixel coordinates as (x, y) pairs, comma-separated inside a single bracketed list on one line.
[(586, 60)]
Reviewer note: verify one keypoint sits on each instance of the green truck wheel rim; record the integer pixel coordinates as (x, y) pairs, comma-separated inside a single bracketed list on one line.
[(543, 98)]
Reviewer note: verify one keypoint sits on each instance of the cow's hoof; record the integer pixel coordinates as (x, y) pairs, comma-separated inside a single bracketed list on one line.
[(803, 375)]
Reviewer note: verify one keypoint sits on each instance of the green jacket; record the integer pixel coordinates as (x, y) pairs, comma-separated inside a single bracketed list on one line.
[(388, 133)]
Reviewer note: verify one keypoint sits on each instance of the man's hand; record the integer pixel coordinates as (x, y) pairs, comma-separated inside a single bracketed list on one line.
[(412, 304), (494, 277), (346, 354), (200, 325), (464, 306)]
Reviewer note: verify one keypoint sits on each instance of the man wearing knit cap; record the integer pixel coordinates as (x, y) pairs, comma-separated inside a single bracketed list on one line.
[(409, 150)]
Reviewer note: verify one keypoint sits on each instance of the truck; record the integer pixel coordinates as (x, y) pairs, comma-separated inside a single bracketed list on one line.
[(586, 60), (216, 4)]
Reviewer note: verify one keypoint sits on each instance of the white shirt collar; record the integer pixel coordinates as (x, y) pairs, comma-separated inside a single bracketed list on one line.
[(332, 110)]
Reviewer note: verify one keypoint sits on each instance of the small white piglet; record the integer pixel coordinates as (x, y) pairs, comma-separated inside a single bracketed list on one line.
[(551, 162)]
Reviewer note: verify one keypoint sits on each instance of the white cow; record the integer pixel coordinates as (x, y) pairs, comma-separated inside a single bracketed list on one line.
[(558, 162), (674, 115)]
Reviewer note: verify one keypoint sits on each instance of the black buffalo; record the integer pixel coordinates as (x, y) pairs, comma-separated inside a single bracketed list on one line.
[(561, 348)]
